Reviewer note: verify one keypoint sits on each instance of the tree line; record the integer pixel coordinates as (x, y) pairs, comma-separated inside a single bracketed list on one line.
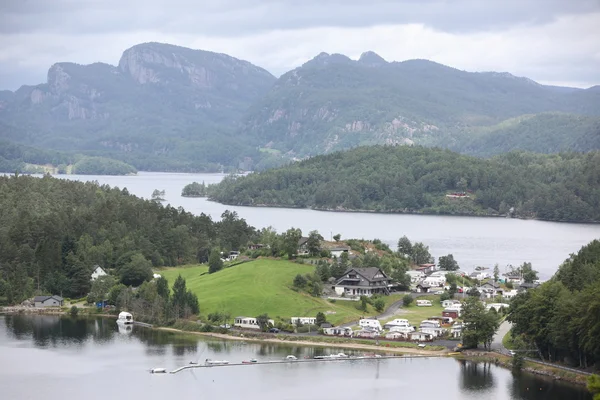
[(563, 186), (560, 320), (54, 232)]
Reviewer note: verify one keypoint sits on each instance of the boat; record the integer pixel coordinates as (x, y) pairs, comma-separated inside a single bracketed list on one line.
[(158, 371), (208, 361), (291, 358), (125, 318), (250, 361)]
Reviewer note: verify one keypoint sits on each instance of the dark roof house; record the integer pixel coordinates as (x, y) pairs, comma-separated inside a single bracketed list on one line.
[(362, 282), (48, 301)]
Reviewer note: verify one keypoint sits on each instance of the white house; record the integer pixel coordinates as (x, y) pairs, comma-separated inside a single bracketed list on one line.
[(430, 323), (48, 301), (338, 332), (416, 276), (510, 294), (303, 320), (402, 329), (338, 251), (424, 303), (421, 336), (362, 282), (248, 322), (371, 323), (98, 272), (456, 330), (435, 280), (479, 275), (397, 335), (435, 332)]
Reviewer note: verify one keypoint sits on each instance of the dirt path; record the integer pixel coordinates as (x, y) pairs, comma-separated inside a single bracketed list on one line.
[(345, 345)]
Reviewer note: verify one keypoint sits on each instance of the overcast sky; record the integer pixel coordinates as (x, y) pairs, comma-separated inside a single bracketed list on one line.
[(551, 41)]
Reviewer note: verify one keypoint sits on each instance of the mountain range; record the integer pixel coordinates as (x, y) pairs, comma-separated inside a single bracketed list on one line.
[(170, 108)]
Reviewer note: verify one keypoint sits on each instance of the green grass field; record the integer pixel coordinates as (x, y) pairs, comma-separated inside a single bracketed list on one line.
[(261, 286), (415, 314)]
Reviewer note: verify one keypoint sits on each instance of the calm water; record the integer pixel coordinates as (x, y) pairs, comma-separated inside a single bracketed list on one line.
[(59, 357), (473, 241)]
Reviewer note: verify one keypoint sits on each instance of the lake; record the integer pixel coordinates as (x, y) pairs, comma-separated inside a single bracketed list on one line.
[(92, 358), (474, 241)]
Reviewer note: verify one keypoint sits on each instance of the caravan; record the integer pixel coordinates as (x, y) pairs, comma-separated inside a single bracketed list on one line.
[(370, 323), (424, 303)]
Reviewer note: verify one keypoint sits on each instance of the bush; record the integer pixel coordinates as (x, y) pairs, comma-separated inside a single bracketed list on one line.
[(407, 300), (379, 305), (445, 296), (74, 311), (307, 329), (517, 362)]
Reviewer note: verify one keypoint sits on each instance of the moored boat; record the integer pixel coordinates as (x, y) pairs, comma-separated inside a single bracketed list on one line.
[(125, 318)]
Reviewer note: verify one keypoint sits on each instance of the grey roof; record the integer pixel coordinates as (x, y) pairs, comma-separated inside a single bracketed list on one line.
[(492, 284), (302, 241), (39, 299), (367, 273)]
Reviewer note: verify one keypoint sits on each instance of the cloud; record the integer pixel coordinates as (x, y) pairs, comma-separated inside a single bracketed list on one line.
[(551, 41)]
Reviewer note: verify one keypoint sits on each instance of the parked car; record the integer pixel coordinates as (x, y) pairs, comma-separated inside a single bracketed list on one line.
[(273, 330), (225, 326)]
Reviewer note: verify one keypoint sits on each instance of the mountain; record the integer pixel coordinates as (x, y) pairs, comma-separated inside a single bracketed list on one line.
[(170, 108), (332, 102), (163, 107), (416, 179)]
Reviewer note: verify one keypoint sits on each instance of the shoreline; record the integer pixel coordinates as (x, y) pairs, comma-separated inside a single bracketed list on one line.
[(398, 212), (343, 345)]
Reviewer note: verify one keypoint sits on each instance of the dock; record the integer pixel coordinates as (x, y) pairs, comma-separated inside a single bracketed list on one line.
[(299, 361)]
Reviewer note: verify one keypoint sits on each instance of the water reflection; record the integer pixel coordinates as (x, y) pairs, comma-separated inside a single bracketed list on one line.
[(529, 387), (476, 377)]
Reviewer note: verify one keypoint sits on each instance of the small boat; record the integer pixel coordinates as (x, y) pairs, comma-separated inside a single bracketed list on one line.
[(250, 361), (291, 358), (158, 371), (193, 363), (125, 318), (208, 361)]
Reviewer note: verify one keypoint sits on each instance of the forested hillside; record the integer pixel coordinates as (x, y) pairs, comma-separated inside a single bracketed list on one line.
[(162, 108), (333, 102), (53, 232), (561, 318), (563, 187), (169, 108)]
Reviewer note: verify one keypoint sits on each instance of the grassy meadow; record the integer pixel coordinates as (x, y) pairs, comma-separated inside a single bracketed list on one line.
[(261, 286)]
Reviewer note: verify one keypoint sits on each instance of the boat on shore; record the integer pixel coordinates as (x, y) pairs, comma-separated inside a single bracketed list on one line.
[(331, 356), (158, 371), (251, 361)]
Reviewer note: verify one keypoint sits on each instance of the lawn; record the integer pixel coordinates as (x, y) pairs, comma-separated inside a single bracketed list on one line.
[(415, 314), (257, 287)]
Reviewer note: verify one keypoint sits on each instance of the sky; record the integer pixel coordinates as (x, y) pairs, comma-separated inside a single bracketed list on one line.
[(554, 42)]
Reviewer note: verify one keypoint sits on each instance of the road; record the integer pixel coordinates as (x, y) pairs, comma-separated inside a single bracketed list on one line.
[(500, 333)]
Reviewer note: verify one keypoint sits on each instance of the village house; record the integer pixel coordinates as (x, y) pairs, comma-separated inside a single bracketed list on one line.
[(456, 330), (422, 287), (396, 335), (526, 286), (430, 323), (403, 329), (452, 313), (338, 251), (435, 332), (426, 268), (421, 336), (436, 280), (303, 320), (98, 272), (366, 333), (370, 323), (248, 322), (416, 276), (347, 332), (303, 246), (256, 246), (48, 301), (491, 289), (510, 294), (479, 275), (362, 282), (514, 278)]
